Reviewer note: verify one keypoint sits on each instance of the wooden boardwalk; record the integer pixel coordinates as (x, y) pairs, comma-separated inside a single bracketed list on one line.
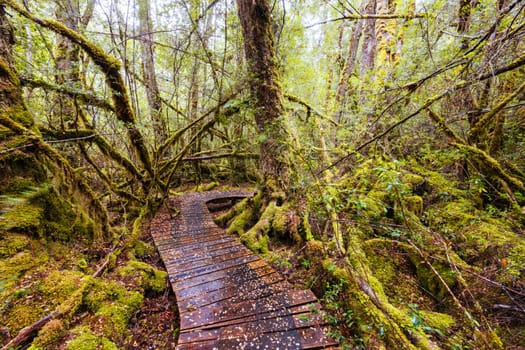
[(228, 298)]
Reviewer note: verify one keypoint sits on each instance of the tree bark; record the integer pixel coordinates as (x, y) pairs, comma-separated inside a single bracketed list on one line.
[(368, 50), (148, 71), (265, 84)]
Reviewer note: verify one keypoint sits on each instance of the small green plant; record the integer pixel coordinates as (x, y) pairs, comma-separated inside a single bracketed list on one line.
[(306, 264), (304, 318)]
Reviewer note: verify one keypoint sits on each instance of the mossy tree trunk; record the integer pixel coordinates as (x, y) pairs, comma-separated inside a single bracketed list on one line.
[(266, 91)]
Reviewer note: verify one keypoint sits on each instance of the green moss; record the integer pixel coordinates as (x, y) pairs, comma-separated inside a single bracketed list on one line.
[(383, 263), (412, 179), (451, 216), (12, 268), (17, 185), (112, 306), (256, 238), (437, 320), (62, 220), (24, 313), (478, 238), (372, 205), (149, 278), (210, 186), (26, 217), (99, 291), (280, 220), (49, 335), (414, 204), (273, 221), (85, 339), (42, 211), (240, 222), (61, 284), (142, 248), (12, 243), (367, 300), (516, 261), (114, 315)]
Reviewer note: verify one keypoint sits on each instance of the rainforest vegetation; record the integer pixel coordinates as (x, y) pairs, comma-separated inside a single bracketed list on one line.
[(385, 140)]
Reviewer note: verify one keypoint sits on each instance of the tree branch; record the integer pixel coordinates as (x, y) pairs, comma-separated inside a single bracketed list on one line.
[(84, 96)]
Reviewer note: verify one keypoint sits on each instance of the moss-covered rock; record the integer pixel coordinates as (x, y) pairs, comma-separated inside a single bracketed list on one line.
[(85, 339), (112, 306), (13, 243), (113, 316), (43, 212), (59, 285), (49, 336), (413, 204), (438, 321), (146, 276), (14, 267)]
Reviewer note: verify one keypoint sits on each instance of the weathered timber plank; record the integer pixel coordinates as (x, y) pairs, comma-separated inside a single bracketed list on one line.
[(175, 277), (262, 308), (215, 256)]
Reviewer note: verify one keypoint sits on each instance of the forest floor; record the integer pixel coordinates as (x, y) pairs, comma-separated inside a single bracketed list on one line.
[(155, 324)]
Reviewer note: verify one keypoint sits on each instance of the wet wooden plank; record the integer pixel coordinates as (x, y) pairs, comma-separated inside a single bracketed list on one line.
[(189, 261), (224, 279), (227, 294), (261, 308), (176, 276)]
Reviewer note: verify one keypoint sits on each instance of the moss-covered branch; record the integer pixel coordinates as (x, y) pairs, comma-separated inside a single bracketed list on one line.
[(492, 164), (177, 135), (488, 117), (309, 107), (242, 155), (436, 118), (175, 161), (84, 96), (111, 185)]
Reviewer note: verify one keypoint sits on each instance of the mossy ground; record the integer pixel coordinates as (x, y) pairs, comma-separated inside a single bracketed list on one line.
[(422, 241), (43, 269)]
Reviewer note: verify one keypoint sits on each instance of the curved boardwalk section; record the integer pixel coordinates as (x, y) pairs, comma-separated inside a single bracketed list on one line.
[(228, 298)]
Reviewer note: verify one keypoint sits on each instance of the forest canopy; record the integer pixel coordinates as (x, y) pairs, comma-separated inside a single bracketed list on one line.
[(386, 140)]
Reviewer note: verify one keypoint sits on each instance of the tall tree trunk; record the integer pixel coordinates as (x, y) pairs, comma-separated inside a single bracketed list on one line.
[(369, 39), (148, 71), (343, 87), (265, 84), (385, 32)]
